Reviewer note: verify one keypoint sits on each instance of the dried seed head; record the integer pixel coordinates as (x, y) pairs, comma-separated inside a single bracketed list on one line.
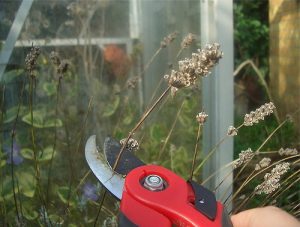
[(55, 59), (201, 118), (168, 39), (265, 162), (287, 152), (199, 65), (271, 180), (63, 67), (132, 82), (232, 131), (259, 114), (31, 59), (132, 144), (188, 40), (244, 157)]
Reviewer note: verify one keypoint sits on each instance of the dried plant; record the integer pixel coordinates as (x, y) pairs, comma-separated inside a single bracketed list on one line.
[(191, 69), (244, 157), (259, 114), (271, 180)]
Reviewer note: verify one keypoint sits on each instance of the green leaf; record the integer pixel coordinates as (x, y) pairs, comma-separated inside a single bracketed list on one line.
[(27, 182), (49, 88), (28, 213), (41, 120), (56, 219), (63, 194), (11, 75), (2, 163), (6, 192), (11, 113), (46, 154), (42, 156), (111, 107), (27, 153), (127, 119)]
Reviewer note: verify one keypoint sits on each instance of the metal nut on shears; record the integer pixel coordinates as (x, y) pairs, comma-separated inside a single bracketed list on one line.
[(154, 183)]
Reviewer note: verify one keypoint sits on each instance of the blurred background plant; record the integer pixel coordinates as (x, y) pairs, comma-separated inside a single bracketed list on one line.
[(55, 97)]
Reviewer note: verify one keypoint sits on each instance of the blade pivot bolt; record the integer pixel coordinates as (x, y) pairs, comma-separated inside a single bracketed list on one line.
[(154, 183)]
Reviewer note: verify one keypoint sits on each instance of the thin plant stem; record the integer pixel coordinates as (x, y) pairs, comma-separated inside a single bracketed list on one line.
[(261, 77), (150, 61), (246, 164), (100, 205), (213, 150), (273, 195), (295, 207), (55, 138), (217, 171), (195, 151), (179, 52), (82, 180), (279, 192), (11, 148), (35, 154), (84, 124), (140, 122), (259, 172), (143, 118), (245, 201), (170, 132)]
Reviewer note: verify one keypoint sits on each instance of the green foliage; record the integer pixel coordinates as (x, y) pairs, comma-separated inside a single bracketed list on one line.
[(251, 31)]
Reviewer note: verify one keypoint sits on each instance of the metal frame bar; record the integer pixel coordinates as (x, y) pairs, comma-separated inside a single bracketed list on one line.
[(13, 34), (217, 26)]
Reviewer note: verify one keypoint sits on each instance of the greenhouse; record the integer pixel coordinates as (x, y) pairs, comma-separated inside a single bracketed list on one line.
[(149, 112)]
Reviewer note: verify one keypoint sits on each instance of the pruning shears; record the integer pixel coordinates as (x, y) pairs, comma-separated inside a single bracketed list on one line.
[(152, 195)]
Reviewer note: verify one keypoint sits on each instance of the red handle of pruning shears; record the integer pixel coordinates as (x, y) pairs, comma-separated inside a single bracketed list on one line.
[(178, 202)]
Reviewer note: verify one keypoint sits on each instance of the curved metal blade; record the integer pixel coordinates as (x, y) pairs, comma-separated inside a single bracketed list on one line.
[(112, 181), (128, 160)]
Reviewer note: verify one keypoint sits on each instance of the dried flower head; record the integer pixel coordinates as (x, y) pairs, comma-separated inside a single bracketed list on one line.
[(188, 40), (271, 180), (287, 152), (55, 59), (201, 118), (132, 82), (31, 59), (168, 39), (259, 114), (265, 162), (132, 144), (244, 157), (63, 67), (232, 131), (199, 65)]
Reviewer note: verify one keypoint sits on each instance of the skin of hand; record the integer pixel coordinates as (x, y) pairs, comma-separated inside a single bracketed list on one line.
[(269, 216)]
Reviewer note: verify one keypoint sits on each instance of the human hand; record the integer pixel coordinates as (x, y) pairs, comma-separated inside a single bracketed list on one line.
[(264, 217)]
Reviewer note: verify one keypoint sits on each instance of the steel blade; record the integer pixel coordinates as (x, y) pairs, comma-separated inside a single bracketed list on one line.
[(112, 181), (128, 160)]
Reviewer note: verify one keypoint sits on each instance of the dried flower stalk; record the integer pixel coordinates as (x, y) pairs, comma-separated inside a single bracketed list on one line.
[(132, 144), (168, 39), (259, 114), (31, 59), (265, 162), (287, 152), (232, 131), (271, 180), (191, 69), (201, 118), (244, 157), (188, 40)]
